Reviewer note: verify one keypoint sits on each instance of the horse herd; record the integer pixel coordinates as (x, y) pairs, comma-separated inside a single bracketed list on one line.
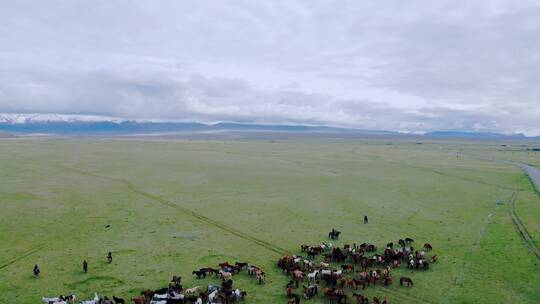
[(224, 293), (373, 268), (340, 269)]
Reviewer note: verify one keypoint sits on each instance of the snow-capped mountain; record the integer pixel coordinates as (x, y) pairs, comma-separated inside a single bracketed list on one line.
[(15, 118)]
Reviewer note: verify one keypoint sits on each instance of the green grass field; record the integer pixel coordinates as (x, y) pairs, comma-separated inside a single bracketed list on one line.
[(176, 206)]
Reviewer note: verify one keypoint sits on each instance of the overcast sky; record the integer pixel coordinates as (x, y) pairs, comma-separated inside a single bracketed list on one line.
[(395, 65)]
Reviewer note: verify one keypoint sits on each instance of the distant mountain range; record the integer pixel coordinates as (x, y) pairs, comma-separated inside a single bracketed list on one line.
[(88, 125)]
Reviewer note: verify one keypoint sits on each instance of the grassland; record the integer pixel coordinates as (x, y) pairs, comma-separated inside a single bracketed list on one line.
[(174, 206)]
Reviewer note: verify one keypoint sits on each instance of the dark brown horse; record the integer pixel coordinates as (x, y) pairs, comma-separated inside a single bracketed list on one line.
[(294, 299), (405, 280), (360, 299), (139, 300)]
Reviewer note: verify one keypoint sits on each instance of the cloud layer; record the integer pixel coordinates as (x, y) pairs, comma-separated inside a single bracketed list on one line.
[(396, 65)]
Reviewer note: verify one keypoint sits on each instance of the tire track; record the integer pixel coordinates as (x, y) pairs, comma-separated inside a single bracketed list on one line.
[(522, 230), (533, 175), (22, 256), (185, 210)]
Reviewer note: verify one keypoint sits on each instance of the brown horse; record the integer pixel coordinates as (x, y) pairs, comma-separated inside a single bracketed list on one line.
[(360, 299), (139, 300), (405, 280), (347, 267), (428, 247), (148, 293), (360, 282), (295, 299)]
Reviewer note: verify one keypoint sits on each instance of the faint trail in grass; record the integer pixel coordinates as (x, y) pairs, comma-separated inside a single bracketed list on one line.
[(522, 230), (262, 243), (447, 298), (22, 256), (476, 244), (405, 298)]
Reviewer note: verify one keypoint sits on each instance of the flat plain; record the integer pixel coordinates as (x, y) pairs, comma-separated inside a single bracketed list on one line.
[(178, 205)]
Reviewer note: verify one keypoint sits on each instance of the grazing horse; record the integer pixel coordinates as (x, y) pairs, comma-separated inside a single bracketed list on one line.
[(312, 276), (36, 271), (348, 267), (387, 281), (225, 275), (261, 277), (335, 295), (95, 300), (139, 300), (85, 266), (371, 247), (193, 290), (199, 273), (311, 254), (148, 294), (360, 282), (294, 299), (71, 298), (365, 219), (409, 240), (360, 299), (428, 247), (118, 300), (109, 257), (405, 280)]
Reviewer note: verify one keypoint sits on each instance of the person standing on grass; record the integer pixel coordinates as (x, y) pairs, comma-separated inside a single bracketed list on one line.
[(36, 271), (365, 219), (85, 266), (109, 257)]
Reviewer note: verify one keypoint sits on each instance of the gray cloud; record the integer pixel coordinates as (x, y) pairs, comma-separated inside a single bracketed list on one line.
[(408, 66)]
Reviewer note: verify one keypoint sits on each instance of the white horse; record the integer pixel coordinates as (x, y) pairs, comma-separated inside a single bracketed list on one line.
[(326, 246), (49, 300), (193, 290), (55, 300), (212, 296), (225, 275), (326, 272), (312, 276), (176, 296), (95, 300)]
